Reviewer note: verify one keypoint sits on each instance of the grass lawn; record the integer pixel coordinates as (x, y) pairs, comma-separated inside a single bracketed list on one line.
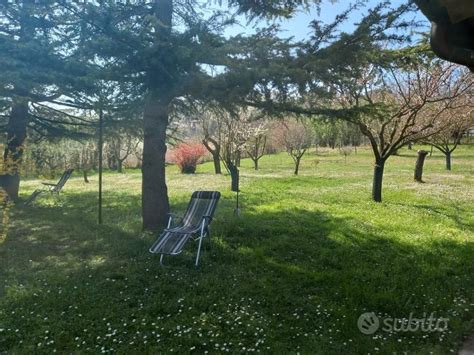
[(293, 274)]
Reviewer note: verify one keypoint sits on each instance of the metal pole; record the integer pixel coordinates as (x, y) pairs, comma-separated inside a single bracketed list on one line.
[(101, 143), (237, 207)]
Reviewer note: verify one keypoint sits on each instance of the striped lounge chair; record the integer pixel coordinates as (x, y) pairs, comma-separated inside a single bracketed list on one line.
[(194, 225), (53, 189)]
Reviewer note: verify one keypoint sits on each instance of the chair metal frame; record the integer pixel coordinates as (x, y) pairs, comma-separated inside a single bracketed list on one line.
[(202, 231), (53, 189)]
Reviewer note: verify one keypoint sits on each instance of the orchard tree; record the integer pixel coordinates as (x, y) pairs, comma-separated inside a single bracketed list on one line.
[(234, 137), (257, 142), (88, 158), (212, 131), (297, 138), (456, 123), (122, 143)]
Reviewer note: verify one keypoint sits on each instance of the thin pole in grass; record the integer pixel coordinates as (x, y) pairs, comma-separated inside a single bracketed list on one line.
[(237, 207), (101, 148)]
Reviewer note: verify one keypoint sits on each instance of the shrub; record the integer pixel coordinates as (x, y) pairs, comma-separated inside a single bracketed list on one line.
[(187, 156)]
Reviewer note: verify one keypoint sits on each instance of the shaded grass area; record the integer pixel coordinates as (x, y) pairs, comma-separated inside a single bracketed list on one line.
[(309, 255)]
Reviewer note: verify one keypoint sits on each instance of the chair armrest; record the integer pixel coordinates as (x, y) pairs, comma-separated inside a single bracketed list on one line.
[(174, 216), (171, 218)]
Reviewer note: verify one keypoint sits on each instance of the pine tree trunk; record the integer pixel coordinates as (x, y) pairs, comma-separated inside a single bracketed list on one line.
[(448, 160), (377, 180), (12, 157), (419, 165), (155, 203)]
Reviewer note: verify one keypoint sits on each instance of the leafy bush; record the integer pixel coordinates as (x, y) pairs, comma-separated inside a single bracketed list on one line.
[(187, 156)]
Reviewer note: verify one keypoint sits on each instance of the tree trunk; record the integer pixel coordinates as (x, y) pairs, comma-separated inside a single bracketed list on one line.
[(217, 163), (216, 153), (419, 165), (155, 203), (86, 180), (297, 165), (119, 166), (16, 136), (378, 179), (255, 163), (237, 162), (448, 160), (410, 145)]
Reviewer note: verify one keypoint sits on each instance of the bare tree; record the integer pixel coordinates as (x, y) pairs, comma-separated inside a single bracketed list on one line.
[(121, 146), (234, 137), (456, 122), (256, 143), (297, 138)]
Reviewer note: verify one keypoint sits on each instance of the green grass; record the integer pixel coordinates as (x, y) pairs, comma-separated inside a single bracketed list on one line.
[(293, 274)]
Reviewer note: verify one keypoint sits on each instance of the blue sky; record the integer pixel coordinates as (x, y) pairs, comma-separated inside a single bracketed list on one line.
[(298, 25)]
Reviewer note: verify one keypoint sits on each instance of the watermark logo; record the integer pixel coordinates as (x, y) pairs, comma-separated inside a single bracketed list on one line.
[(369, 323)]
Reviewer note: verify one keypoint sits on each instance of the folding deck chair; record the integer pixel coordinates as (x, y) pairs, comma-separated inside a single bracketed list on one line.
[(53, 189), (194, 225)]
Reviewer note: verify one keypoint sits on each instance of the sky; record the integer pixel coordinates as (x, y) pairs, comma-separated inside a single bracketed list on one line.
[(297, 27)]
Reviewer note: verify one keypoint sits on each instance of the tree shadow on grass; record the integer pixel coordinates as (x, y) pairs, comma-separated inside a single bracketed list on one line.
[(295, 279)]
